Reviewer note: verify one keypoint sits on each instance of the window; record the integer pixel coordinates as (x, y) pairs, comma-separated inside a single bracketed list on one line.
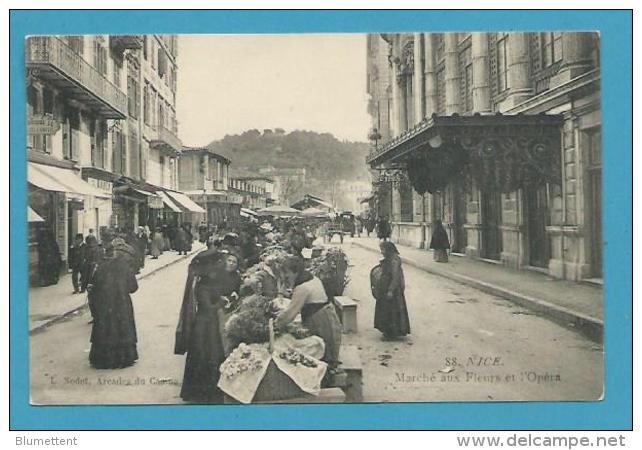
[(146, 103), (116, 69), (502, 64), (441, 91), (551, 48), (100, 56), (76, 43), (466, 79), (133, 97), (145, 44)]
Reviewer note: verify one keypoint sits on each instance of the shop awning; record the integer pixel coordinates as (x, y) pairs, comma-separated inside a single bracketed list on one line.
[(184, 201), (33, 216), (57, 179), (248, 212), (495, 152), (167, 202)]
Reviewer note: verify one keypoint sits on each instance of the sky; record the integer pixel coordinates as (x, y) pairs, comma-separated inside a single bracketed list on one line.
[(231, 83)]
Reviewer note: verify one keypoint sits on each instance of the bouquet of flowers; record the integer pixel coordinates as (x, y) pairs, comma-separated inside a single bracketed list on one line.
[(331, 268), (249, 324)]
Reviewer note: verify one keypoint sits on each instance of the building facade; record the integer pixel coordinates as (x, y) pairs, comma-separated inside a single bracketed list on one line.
[(253, 194), (289, 183), (97, 150), (204, 176), (496, 134)]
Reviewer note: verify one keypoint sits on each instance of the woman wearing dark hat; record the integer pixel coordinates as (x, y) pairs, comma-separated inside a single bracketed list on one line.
[(391, 313), (212, 280), (113, 334)]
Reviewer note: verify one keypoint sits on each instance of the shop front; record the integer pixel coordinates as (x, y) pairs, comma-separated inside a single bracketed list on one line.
[(61, 199)]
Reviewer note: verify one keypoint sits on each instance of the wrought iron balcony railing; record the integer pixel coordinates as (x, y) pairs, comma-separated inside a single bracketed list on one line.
[(51, 58)]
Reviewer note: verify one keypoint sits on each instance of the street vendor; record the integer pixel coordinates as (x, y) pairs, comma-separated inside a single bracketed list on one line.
[(317, 312)]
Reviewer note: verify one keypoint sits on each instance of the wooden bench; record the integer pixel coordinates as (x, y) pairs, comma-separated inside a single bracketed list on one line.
[(347, 311), (351, 365)]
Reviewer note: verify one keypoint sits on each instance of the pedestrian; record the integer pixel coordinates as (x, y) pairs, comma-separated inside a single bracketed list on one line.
[(49, 260), (142, 241), (157, 244), (180, 240), (93, 253), (211, 277), (359, 223), (202, 232), (370, 225), (383, 228), (391, 313), (77, 255), (113, 334), (439, 242), (317, 312)]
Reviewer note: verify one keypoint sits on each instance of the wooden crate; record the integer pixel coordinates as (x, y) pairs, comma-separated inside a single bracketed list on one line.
[(347, 311)]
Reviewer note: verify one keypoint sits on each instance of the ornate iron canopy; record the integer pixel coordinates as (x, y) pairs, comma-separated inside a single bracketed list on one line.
[(497, 152)]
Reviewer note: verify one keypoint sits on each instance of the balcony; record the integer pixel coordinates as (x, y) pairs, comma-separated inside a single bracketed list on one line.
[(51, 59), (126, 42), (165, 140)]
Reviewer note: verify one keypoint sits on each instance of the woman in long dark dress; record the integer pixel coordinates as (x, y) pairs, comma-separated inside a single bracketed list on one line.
[(439, 242), (391, 313), (383, 228), (211, 279), (113, 334)]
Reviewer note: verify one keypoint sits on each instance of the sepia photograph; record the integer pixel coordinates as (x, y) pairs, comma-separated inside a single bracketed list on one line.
[(312, 218)]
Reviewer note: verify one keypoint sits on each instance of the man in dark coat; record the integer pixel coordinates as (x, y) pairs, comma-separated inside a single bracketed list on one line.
[(77, 255), (49, 260)]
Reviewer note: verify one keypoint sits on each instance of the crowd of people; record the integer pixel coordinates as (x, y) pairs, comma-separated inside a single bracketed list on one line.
[(107, 270)]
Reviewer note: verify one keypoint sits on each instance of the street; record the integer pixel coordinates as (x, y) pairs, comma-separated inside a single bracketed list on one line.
[(465, 346)]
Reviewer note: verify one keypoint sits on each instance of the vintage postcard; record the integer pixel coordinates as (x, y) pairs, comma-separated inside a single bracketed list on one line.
[(314, 218)]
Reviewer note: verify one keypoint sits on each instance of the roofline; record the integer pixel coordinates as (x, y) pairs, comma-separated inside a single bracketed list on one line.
[(201, 150)]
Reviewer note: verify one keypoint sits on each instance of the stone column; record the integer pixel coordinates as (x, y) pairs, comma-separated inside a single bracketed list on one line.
[(576, 56), (418, 75), (518, 62), (430, 80), (395, 107), (453, 97), (396, 204), (481, 73)]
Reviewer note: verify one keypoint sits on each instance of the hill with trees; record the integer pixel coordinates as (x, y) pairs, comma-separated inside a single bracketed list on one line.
[(326, 159)]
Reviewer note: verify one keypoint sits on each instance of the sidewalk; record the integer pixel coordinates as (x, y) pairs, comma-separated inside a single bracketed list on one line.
[(571, 304), (49, 304)]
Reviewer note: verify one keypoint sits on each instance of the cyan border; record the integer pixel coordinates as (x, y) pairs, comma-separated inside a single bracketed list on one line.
[(614, 412)]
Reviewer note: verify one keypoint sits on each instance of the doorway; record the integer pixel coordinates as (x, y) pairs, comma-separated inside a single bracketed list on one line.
[(460, 238), (491, 223), (537, 219)]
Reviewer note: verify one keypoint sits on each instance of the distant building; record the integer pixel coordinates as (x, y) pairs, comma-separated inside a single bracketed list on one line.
[(348, 194), (253, 193), (312, 201), (203, 175), (289, 183), (266, 184)]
